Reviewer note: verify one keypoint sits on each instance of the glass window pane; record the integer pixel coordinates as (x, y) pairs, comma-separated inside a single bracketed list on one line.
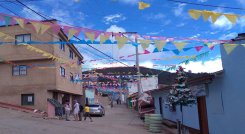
[(19, 39), (22, 70), (27, 38)]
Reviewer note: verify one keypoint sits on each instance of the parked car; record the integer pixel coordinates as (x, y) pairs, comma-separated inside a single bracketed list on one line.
[(96, 109)]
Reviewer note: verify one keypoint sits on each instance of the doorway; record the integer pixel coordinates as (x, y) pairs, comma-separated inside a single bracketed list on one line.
[(160, 105)]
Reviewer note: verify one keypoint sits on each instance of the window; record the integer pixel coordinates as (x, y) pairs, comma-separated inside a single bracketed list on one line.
[(78, 62), (22, 38), (19, 70), (71, 77), (71, 54), (62, 71), (27, 99), (62, 45)]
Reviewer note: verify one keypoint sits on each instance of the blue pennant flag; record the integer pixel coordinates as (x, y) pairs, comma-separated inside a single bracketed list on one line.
[(176, 51), (164, 49), (155, 50), (188, 48)]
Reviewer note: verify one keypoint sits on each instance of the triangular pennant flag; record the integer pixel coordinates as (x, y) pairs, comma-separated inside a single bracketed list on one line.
[(146, 52), (145, 43), (215, 16), (72, 32), (180, 45), (188, 48), (90, 36), (195, 14), (160, 44), (20, 21), (198, 48), (121, 41), (210, 46), (231, 17), (7, 20), (2, 34), (44, 28), (155, 50), (229, 47), (103, 38), (56, 29), (37, 26), (176, 51), (206, 15), (143, 5)]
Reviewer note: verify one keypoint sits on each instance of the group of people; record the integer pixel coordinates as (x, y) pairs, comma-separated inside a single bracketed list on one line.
[(78, 111)]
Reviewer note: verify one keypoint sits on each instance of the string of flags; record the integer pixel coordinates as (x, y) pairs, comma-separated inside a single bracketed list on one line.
[(195, 14), (143, 5), (100, 37)]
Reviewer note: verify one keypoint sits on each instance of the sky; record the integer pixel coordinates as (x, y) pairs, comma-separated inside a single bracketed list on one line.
[(163, 18)]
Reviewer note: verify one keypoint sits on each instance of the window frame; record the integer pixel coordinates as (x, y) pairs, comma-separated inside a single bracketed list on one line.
[(19, 70), (71, 54), (61, 72), (71, 77), (62, 45), (23, 103), (23, 39)]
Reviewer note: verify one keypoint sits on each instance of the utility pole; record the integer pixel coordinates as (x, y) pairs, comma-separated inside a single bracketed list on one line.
[(136, 65)]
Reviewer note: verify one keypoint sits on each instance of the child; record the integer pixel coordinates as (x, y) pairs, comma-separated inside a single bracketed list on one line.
[(67, 110), (87, 113)]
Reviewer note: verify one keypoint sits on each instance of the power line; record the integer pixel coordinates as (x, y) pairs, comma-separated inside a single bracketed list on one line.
[(207, 5), (74, 36)]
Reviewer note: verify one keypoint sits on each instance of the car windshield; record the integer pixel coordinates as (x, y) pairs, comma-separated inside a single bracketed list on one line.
[(94, 106)]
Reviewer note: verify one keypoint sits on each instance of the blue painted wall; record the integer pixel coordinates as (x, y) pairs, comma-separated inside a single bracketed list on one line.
[(190, 114), (226, 95)]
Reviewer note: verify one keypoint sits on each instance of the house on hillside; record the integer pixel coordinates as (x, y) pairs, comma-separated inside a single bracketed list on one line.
[(29, 78)]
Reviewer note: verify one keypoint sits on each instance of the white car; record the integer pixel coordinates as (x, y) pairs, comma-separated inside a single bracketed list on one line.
[(96, 109)]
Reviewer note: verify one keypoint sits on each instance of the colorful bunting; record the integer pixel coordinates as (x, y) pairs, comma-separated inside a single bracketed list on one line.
[(145, 43), (215, 16), (195, 14), (198, 48), (229, 47), (72, 32), (206, 15), (20, 21), (160, 44), (44, 28), (121, 41), (37, 26), (231, 17), (103, 38), (7, 20), (180, 45), (90, 36), (143, 5)]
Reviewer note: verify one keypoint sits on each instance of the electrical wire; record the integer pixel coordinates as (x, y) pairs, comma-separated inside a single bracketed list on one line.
[(74, 36), (207, 5)]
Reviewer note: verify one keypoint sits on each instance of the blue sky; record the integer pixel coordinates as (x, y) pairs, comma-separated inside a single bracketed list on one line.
[(163, 18)]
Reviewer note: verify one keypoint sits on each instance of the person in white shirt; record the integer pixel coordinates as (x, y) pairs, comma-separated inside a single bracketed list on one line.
[(76, 110), (67, 110)]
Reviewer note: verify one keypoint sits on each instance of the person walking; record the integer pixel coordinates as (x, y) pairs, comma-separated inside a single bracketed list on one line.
[(67, 110), (87, 113), (80, 112), (76, 110)]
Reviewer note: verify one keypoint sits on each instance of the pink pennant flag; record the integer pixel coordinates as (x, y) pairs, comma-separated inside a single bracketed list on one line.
[(211, 48), (146, 52), (56, 28), (198, 48)]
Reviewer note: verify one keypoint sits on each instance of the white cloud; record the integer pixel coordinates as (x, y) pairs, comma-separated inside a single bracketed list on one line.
[(207, 66), (222, 23), (180, 25), (115, 28), (158, 16), (202, 1), (131, 2), (242, 2), (228, 36), (114, 18), (178, 11), (195, 36)]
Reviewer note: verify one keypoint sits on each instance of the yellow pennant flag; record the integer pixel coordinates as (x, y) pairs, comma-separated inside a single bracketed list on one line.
[(143, 5), (231, 17), (195, 14), (180, 45), (103, 38), (229, 47), (21, 22), (37, 26), (2, 34), (44, 28), (215, 16), (206, 15), (121, 41), (90, 36), (71, 33), (145, 43), (160, 44)]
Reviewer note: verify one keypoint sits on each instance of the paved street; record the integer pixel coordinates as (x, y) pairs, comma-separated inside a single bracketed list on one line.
[(118, 120)]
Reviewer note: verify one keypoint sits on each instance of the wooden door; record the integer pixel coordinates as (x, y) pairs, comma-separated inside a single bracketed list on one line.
[(202, 113)]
